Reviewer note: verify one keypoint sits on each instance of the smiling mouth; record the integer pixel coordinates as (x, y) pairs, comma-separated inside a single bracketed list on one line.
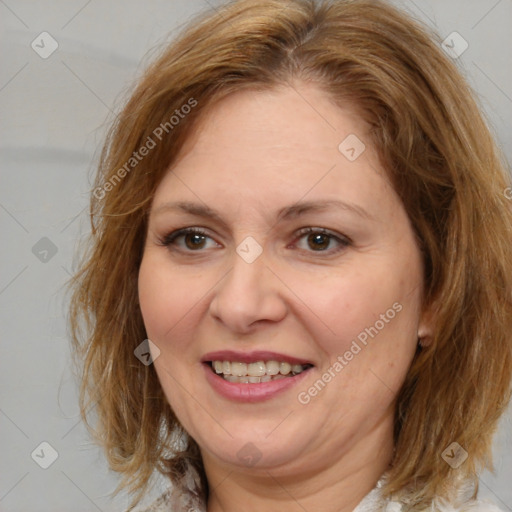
[(257, 372)]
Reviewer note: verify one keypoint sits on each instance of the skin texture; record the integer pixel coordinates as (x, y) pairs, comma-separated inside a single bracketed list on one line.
[(254, 154)]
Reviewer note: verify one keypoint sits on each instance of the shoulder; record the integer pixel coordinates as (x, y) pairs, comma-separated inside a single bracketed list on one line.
[(161, 504), (174, 500), (469, 506), (439, 506), (461, 501), (183, 496)]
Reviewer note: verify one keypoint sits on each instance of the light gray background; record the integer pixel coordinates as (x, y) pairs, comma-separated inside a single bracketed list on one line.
[(53, 114)]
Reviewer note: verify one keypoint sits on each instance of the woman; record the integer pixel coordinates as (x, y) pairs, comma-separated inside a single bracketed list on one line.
[(298, 291)]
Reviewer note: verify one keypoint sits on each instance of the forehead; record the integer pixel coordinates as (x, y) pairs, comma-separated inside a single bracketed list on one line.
[(299, 115), (270, 148)]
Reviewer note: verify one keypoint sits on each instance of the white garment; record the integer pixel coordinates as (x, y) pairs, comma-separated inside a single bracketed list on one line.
[(185, 497)]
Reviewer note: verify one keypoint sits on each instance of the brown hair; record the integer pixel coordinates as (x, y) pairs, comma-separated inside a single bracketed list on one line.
[(442, 161)]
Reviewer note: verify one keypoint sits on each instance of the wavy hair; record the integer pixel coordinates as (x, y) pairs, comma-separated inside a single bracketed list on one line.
[(439, 155)]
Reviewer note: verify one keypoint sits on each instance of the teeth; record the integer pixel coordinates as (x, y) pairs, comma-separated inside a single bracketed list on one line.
[(257, 369), (238, 369), (226, 368), (285, 368), (272, 368), (253, 373)]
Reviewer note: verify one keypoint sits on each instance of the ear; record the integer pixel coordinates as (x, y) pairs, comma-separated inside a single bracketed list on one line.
[(426, 325)]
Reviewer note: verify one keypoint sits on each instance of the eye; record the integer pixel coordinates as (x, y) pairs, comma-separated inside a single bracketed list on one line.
[(193, 238), (319, 240)]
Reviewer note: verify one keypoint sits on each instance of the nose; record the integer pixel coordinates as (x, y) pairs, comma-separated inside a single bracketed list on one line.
[(250, 294)]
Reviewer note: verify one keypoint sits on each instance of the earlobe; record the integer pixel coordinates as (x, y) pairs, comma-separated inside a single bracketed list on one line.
[(424, 337), (426, 326), (423, 341)]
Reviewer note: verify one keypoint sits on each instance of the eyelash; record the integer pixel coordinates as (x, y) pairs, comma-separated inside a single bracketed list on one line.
[(170, 239)]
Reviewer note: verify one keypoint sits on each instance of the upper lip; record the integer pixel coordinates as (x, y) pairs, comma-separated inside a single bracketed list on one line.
[(251, 357)]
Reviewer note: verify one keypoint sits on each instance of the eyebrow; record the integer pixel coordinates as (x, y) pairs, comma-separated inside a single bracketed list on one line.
[(286, 213)]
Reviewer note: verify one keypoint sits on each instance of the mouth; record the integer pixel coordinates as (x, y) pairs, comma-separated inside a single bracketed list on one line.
[(256, 376), (256, 372)]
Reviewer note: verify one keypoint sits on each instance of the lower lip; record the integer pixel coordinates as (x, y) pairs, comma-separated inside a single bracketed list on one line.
[(257, 392)]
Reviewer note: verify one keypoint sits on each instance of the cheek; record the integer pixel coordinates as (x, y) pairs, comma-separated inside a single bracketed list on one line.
[(166, 302), (164, 296), (353, 301), (370, 317)]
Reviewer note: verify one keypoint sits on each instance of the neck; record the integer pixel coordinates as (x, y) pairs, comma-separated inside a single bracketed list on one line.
[(338, 486)]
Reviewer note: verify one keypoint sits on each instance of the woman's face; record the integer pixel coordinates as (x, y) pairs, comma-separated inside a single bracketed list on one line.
[(305, 264)]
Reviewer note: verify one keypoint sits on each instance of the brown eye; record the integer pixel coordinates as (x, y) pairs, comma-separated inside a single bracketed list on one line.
[(321, 241), (318, 241), (194, 240), (187, 239)]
